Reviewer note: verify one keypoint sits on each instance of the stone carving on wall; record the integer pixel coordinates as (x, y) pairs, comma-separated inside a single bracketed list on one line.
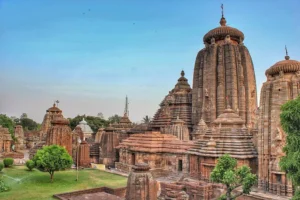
[(212, 41)]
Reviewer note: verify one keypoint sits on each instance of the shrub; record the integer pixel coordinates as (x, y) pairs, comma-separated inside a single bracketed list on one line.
[(8, 162), (30, 165), (1, 166), (3, 186)]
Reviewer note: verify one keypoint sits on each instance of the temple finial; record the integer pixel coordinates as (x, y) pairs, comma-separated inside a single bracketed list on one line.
[(286, 54), (126, 111), (223, 20), (222, 10), (182, 73)]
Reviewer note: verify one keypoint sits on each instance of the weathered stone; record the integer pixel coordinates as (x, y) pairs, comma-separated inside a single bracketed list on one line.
[(141, 184), (227, 135), (178, 103), (19, 135), (84, 154), (60, 134), (224, 74), (159, 151), (282, 85)]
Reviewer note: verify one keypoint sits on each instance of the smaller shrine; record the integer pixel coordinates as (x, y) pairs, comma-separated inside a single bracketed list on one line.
[(60, 133), (179, 129), (5, 140), (162, 152), (178, 103), (19, 135), (228, 135), (86, 129), (141, 184)]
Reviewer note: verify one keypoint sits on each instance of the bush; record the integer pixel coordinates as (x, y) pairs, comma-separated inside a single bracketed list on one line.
[(30, 165), (3, 186), (1, 166), (8, 162)]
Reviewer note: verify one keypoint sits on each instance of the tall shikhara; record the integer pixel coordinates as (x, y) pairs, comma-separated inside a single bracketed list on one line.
[(224, 75)]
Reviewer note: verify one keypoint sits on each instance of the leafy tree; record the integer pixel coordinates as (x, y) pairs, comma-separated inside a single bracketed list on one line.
[(94, 122), (8, 162), (290, 163), (227, 173), (7, 122), (146, 119), (100, 115), (24, 115), (29, 124), (114, 119), (30, 165), (52, 158)]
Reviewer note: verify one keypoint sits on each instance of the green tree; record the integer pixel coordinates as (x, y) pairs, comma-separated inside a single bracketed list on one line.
[(114, 119), (29, 124), (146, 119), (30, 164), (7, 122), (52, 158), (290, 163), (24, 115), (227, 173)]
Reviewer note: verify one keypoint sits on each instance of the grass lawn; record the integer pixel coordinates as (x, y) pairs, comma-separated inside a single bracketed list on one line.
[(36, 185)]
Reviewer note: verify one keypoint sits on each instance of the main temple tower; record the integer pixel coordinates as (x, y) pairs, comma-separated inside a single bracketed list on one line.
[(224, 75)]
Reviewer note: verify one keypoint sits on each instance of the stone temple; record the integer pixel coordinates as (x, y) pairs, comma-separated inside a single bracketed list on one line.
[(283, 84), (195, 126), (224, 75)]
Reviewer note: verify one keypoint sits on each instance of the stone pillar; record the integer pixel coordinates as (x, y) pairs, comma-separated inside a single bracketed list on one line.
[(84, 154), (141, 184)]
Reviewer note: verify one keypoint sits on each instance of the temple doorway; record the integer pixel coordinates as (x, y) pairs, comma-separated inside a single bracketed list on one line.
[(117, 156), (133, 159), (179, 165)]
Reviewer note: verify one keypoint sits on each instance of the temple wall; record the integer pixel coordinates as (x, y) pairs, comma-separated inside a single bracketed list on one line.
[(271, 138), (224, 71)]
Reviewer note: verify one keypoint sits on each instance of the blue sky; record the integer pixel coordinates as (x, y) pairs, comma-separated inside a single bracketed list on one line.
[(90, 54)]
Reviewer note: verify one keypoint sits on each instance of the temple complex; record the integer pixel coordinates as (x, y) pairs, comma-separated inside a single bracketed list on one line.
[(283, 84), (86, 129), (178, 103), (223, 74)]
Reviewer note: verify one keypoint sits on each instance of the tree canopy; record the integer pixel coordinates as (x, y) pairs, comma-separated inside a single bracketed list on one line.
[(227, 173), (52, 158), (290, 122), (146, 119), (7, 122), (114, 119)]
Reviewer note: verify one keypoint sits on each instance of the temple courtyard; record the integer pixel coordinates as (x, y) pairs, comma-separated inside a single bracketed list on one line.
[(36, 184)]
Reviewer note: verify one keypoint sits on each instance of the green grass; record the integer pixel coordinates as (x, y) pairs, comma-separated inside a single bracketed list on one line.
[(36, 184)]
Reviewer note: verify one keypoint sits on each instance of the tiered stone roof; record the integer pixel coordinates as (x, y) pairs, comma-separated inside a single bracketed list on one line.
[(124, 123), (286, 66), (228, 135), (155, 142), (222, 31), (177, 104)]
